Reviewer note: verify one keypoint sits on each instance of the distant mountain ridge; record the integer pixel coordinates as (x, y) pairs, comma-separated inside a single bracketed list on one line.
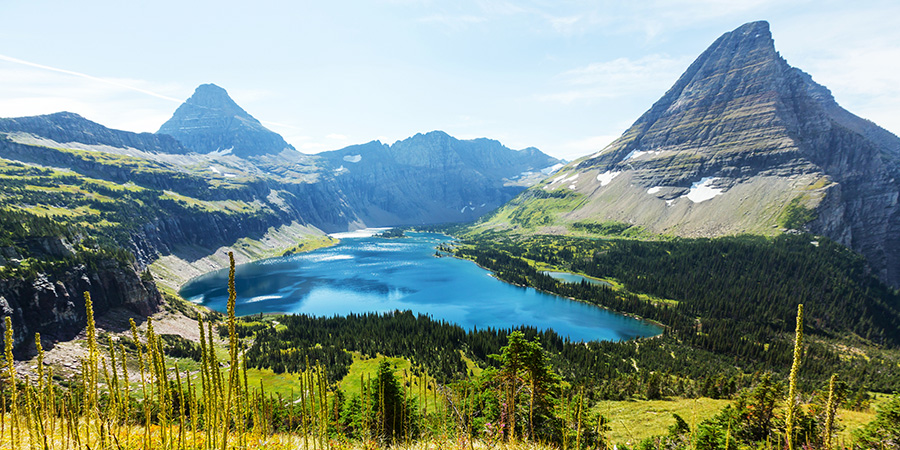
[(425, 179), (66, 127), (741, 143), (210, 121), (432, 177)]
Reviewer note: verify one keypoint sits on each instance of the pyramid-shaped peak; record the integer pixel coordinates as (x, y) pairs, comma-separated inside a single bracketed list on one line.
[(753, 31), (216, 98), (756, 137), (210, 121), (747, 44)]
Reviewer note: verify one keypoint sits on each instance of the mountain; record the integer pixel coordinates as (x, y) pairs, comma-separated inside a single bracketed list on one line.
[(210, 121), (742, 143), (426, 179), (66, 127), (88, 208), (432, 178)]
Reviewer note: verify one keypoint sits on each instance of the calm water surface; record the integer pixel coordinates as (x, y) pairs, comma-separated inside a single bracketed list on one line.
[(376, 274)]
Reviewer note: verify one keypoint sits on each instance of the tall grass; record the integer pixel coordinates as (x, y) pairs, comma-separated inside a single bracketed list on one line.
[(140, 400), (211, 409)]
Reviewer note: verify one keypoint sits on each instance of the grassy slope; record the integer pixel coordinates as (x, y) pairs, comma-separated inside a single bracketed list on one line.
[(633, 421)]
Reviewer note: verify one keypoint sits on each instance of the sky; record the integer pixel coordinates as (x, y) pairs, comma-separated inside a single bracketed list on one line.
[(565, 76)]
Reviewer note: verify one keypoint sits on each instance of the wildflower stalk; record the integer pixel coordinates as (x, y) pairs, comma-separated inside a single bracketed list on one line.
[(146, 399), (90, 371), (232, 344), (792, 389), (11, 374), (829, 413)]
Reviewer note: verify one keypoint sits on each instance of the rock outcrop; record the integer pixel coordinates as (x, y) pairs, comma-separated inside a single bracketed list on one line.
[(743, 143), (53, 303), (210, 121)]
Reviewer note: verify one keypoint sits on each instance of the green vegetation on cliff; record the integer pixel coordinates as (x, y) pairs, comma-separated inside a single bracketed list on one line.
[(79, 215)]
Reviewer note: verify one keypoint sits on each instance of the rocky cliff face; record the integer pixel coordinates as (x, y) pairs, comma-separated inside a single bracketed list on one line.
[(431, 178), (53, 303), (744, 143), (210, 121)]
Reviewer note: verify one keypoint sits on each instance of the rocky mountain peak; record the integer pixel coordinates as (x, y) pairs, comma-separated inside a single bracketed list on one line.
[(210, 121), (744, 143), (214, 97)]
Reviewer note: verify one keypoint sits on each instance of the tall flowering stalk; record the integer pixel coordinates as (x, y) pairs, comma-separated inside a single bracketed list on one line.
[(11, 373), (233, 347), (792, 390), (829, 413), (89, 371)]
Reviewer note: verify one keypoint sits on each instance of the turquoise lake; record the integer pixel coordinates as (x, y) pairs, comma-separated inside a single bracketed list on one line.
[(365, 274)]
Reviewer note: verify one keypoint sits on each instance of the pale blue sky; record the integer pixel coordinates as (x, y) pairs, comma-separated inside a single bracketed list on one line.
[(564, 76)]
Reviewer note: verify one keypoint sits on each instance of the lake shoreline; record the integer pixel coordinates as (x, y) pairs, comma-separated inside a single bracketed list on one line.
[(621, 313), (373, 274), (171, 272)]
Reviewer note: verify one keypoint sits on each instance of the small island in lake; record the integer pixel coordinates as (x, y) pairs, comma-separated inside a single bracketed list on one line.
[(393, 233)]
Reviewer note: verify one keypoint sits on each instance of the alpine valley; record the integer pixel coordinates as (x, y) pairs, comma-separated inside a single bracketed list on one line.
[(76, 190), (742, 196)]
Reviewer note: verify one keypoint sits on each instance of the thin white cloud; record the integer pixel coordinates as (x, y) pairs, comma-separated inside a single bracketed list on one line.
[(336, 137), (617, 78), (88, 77), (651, 18)]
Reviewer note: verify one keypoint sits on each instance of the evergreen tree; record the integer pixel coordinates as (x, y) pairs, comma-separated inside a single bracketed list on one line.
[(394, 418), (883, 432)]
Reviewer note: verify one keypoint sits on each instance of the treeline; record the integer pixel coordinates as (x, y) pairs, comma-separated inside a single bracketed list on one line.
[(755, 282), (650, 368)]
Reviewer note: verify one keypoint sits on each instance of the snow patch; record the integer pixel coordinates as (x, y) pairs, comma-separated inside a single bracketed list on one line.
[(229, 175), (607, 177), (669, 202), (551, 169), (353, 158), (572, 186), (654, 190), (341, 170), (563, 179), (702, 190), (213, 168), (639, 153)]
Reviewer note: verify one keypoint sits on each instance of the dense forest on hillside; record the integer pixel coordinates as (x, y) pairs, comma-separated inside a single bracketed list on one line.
[(730, 297), (647, 368)]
